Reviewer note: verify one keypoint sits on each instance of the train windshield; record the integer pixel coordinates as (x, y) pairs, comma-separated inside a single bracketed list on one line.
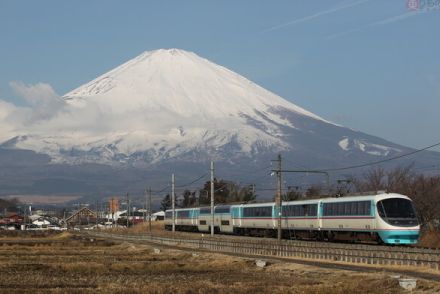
[(397, 212)]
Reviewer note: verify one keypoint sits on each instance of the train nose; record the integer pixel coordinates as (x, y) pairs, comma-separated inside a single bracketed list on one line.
[(398, 237)]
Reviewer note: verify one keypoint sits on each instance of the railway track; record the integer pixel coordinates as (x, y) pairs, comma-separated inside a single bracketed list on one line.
[(312, 243), (325, 252)]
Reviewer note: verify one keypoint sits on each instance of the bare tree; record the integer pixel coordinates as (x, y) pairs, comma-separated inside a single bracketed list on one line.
[(426, 196), (314, 191), (423, 190)]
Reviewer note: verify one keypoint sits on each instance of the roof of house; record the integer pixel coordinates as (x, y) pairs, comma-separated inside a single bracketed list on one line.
[(81, 213)]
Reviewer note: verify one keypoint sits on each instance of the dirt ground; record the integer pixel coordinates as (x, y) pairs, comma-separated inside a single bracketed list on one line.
[(73, 264)]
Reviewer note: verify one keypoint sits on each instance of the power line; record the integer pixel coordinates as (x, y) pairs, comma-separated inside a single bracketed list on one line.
[(258, 178), (192, 182), (162, 190), (380, 161)]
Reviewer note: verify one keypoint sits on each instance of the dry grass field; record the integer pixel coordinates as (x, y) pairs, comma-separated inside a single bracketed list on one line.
[(67, 263)]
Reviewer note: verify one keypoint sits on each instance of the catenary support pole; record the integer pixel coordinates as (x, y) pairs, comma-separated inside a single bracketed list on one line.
[(128, 210), (97, 213), (278, 198), (145, 214), (212, 198), (173, 200), (149, 209)]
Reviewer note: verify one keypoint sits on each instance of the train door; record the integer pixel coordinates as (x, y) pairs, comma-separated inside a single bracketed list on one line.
[(319, 214), (236, 216)]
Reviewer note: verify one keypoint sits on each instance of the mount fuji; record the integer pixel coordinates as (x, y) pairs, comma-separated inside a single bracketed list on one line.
[(172, 107)]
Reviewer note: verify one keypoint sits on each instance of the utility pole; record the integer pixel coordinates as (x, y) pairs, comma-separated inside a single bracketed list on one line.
[(278, 201), (97, 213), (145, 205), (173, 200), (212, 198), (128, 209), (149, 209)]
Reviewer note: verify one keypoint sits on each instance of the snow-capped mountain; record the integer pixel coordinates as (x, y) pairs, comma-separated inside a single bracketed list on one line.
[(173, 105)]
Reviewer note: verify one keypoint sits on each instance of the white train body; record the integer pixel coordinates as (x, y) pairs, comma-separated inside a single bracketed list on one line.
[(388, 218)]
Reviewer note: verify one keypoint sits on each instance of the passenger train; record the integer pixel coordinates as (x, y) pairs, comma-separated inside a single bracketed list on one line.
[(383, 218)]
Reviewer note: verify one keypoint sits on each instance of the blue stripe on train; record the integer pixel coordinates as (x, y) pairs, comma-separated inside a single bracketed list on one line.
[(399, 236)]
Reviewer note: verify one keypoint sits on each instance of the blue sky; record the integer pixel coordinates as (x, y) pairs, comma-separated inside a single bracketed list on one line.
[(371, 65)]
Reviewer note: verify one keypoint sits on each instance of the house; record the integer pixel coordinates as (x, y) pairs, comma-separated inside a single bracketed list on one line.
[(12, 221), (41, 222), (83, 216)]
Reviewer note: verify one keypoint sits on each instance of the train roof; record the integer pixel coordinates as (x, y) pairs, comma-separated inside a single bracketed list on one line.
[(376, 197), (186, 208)]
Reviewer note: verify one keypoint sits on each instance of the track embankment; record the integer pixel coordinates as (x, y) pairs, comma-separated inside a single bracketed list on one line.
[(416, 262)]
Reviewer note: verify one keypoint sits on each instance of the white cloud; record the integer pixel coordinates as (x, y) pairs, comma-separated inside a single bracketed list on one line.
[(44, 102), (7, 128), (49, 115)]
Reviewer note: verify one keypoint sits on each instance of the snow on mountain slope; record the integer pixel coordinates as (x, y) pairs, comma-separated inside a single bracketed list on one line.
[(348, 144), (179, 82), (167, 104)]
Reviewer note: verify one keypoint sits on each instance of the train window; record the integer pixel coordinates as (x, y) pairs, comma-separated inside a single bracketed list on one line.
[(397, 212), (262, 211), (287, 210), (312, 210), (380, 209), (329, 208), (361, 208), (169, 214), (300, 210), (183, 213), (205, 210), (398, 208), (353, 208), (326, 210), (340, 208), (203, 222), (367, 207), (225, 223), (222, 209), (347, 208)]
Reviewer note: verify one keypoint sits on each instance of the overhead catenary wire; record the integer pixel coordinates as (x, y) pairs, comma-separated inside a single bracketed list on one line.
[(379, 161), (322, 170), (180, 186), (161, 190), (192, 182)]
